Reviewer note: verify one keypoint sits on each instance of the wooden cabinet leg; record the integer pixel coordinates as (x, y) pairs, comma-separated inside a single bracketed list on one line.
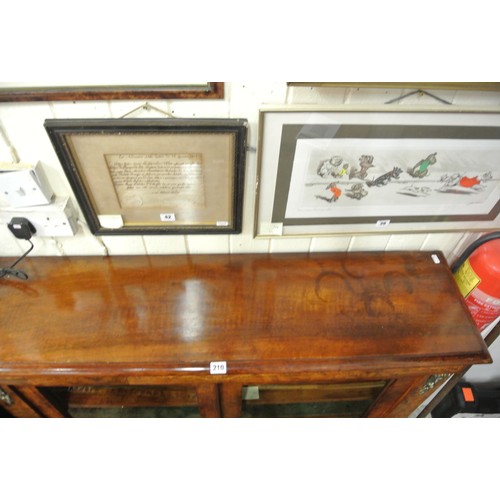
[(231, 400), (208, 400)]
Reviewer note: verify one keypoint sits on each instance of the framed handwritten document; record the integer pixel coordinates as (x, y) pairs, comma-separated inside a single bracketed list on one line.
[(154, 176)]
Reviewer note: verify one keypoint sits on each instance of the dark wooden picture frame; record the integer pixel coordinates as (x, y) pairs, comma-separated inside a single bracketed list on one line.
[(154, 176), (210, 90)]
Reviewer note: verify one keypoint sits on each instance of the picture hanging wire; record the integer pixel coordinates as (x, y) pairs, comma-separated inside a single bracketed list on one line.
[(148, 107), (421, 92)]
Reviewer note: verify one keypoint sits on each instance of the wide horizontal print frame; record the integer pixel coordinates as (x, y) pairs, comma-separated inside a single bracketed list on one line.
[(378, 170), (155, 176)]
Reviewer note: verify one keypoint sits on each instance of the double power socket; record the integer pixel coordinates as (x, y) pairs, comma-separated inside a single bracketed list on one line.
[(57, 219)]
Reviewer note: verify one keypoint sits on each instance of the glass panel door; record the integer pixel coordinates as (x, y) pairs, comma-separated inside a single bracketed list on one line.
[(310, 400)]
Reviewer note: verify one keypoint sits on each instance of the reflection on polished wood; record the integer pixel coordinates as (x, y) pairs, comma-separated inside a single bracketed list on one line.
[(282, 318)]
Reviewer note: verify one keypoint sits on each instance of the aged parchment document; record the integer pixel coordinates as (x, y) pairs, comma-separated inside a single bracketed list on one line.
[(156, 180)]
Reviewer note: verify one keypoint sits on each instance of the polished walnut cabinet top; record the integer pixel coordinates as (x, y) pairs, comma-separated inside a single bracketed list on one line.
[(278, 313)]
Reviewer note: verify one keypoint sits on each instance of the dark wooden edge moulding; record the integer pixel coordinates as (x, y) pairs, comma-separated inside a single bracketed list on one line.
[(213, 90)]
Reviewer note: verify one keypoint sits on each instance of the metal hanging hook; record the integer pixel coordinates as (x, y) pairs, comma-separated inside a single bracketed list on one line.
[(148, 107), (421, 92)]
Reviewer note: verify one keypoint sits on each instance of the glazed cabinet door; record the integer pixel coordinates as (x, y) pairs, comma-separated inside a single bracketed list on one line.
[(367, 398), (347, 400), (153, 401)]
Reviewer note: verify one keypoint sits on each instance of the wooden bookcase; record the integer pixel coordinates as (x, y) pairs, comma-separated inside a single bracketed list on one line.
[(337, 335)]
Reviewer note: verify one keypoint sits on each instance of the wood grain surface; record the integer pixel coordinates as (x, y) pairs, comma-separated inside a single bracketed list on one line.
[(260, 312)]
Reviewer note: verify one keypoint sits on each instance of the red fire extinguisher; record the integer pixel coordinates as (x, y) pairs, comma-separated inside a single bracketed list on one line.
[(477, 274)]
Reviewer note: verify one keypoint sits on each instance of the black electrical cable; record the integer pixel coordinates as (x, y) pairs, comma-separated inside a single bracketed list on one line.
[(10, 271)]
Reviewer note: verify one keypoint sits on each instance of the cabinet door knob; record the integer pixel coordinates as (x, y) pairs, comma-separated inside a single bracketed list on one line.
[(5, 398)]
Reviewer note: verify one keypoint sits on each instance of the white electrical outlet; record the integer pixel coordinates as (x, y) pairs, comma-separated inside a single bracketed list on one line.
[(56, 219), (25, 186)]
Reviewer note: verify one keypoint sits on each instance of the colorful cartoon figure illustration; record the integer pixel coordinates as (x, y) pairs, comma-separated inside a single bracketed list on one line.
[(365, 162), (336, 193), (344, 170), (386, 178), (469, 182), (421, 169), (450, 180), (357, 191), (459, 183), (330, 167)]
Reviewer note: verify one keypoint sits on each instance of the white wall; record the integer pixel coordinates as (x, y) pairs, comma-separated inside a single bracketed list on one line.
[(23, 124)]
